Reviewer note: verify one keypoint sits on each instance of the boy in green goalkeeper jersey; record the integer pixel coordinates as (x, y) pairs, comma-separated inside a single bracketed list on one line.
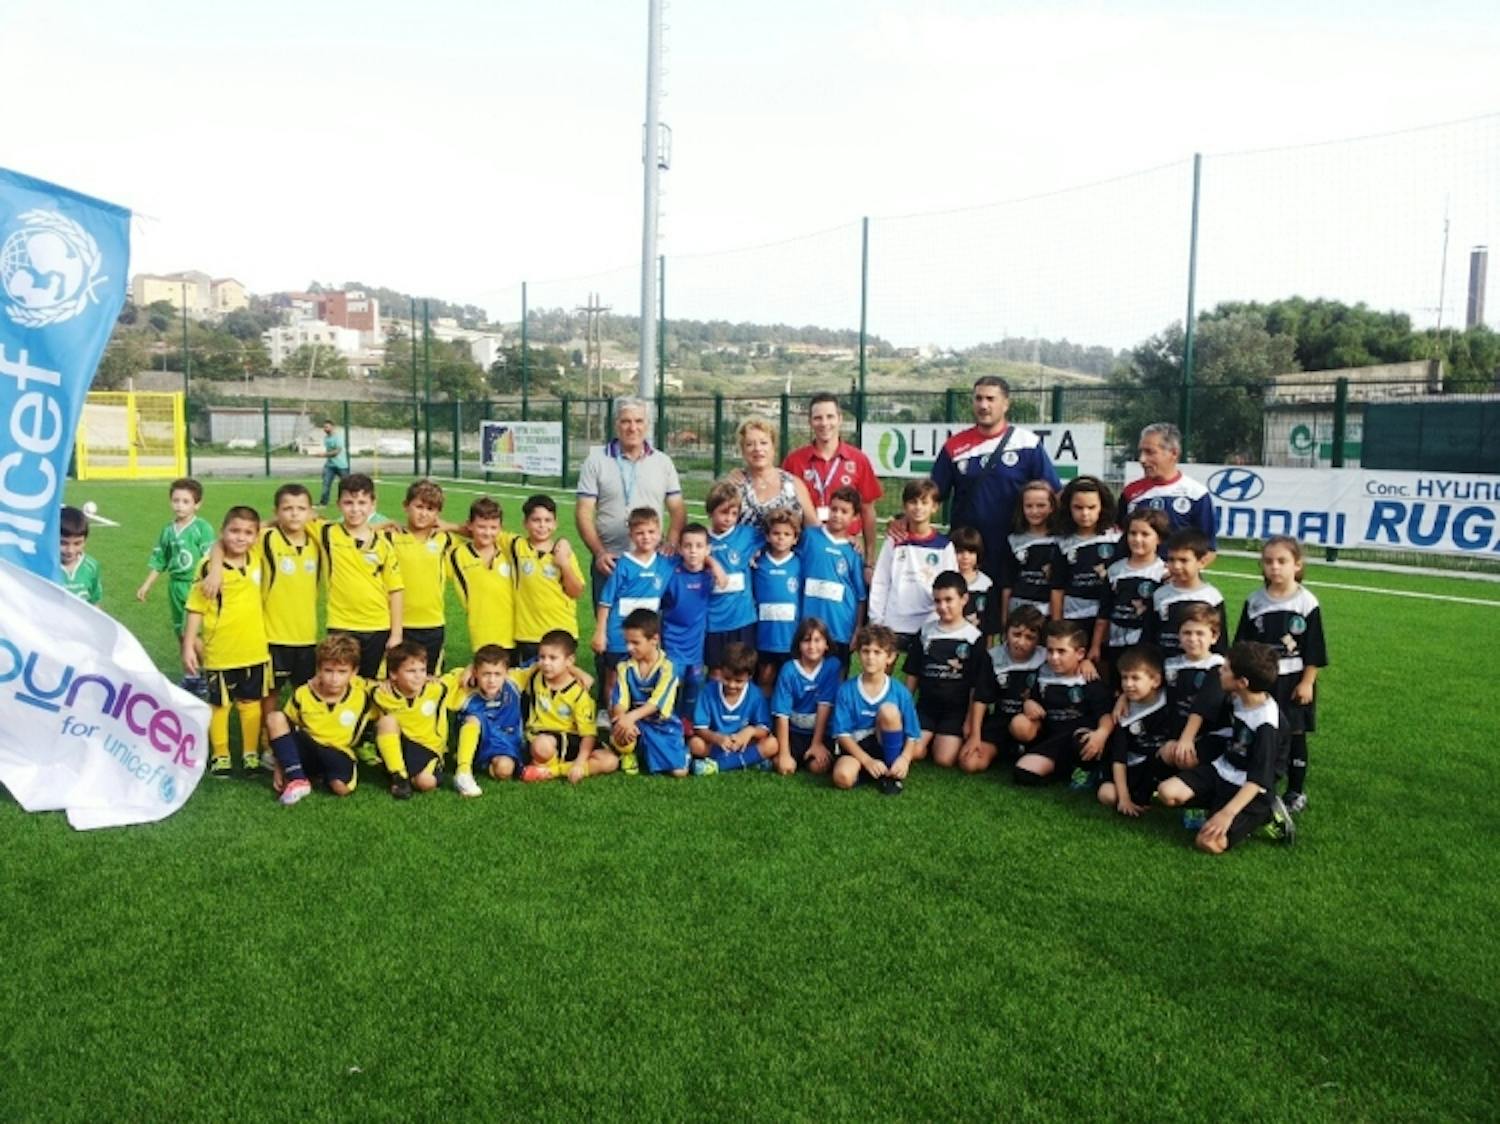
[(180, 549)]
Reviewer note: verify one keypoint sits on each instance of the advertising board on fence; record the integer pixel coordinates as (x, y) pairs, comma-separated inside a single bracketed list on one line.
[(909, 450), (1446, 512), (531, 447)]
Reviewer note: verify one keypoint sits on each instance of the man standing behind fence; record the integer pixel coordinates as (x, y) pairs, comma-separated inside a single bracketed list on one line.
[(983, 468), (336, 466), (830, 463), (1184, 501), (619, 477)]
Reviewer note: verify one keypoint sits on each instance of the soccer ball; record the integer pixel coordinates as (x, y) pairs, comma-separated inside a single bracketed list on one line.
[(91, 509)]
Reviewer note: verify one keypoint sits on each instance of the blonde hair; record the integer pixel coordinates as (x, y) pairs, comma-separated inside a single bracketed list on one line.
[(751, 425)]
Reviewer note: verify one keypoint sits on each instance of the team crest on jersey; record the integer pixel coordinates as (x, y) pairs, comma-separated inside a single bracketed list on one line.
[(1148, 587), (1171, 675), (932, 558), (347, 718), (962, 650), (1075, 694), (842, 567), (287, 565), (310, 565), (503, 569), (429, 708), (1198, 677), (563, 710), (528, 567), (733, 556), (846, 480), (1297, 625), (1181, 505), (433, 546), (791, 585), (1136, 728), (549, 571), (1003, 678), (1106, 550)]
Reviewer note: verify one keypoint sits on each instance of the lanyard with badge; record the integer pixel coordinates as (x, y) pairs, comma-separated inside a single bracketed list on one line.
[(823, 484), (627, 479)]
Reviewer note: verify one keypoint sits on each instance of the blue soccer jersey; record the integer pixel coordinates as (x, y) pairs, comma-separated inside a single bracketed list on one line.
[(800, 691), (661, 742), (715, 713), (634, 585), (733, 606), (684, 615), (854, 710), (777, 586), (499, 723), (833, 581)]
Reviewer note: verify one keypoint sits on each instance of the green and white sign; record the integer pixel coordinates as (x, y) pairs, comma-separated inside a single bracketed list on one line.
[(910, 450)]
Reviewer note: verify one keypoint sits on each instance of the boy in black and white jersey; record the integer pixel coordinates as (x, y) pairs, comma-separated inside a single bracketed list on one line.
[(1144, 724), (1063, 727), (1005, 685), (1186, 550), (943, 663)]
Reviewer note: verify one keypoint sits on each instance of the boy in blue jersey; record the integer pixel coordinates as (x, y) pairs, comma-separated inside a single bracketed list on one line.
[(732, 724), (833, 574), (732, 544), (489, 735), (875, 723), (644, 703), (803, 701), (639, 578), (777, 585), (684, 614)]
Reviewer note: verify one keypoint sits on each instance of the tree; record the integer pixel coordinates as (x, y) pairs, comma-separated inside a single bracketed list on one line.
[(315, 361), (124, 358), (160, 314), (1236, 356), (455, 375)]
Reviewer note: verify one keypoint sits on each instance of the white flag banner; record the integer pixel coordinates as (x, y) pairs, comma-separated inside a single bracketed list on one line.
[(88, 725)]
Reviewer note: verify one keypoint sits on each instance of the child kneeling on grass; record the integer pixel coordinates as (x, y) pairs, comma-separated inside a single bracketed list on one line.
[(802, 703), (1239, 787), (561, 720), (1145, 721), (1063, 727), (412, 731), (644, 702), (490, 734), (874, 719), (314, 735), (731, 723)]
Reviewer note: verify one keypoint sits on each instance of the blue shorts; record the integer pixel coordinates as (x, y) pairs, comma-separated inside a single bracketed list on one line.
[(690, 680), (661, 746), (491, 748)]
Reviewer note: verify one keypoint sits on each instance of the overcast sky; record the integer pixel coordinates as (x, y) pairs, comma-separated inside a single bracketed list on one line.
[(455, 148)]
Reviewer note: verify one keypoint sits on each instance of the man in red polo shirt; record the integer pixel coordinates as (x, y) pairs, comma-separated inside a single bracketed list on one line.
[(830, 463)]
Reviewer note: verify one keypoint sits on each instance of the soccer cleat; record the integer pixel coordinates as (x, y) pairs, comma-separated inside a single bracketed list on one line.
[(1082, 779), (628, 765), (1296, 802), (367, 755), (401, 788), (1193, 819), (891, 786), (704, 766), (252, 762), (220, 767), (467, 785), (534, 774), (1282, 828), (294, 791)]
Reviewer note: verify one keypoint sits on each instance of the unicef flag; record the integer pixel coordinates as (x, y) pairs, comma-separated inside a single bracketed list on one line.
[(64, 258)]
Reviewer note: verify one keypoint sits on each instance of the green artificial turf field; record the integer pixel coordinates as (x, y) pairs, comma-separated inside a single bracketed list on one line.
[(750, 947)]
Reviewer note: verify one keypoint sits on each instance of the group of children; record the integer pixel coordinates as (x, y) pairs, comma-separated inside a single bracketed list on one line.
[(1091, 653)]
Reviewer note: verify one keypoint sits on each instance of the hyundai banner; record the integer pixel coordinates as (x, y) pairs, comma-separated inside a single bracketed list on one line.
[(88, 726), (64, 259)]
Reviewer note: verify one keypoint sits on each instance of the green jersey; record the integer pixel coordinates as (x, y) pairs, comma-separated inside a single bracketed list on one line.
[(84, 580), (178, 552)]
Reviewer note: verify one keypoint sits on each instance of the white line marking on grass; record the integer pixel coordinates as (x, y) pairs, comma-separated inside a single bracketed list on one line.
[(1494, 604)]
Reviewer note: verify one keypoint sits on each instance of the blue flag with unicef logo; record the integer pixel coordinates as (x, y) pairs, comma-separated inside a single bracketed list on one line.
[(64, 260)]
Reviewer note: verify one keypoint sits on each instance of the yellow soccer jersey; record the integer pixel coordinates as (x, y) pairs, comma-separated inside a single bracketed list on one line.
[(488, 591), (424, 719), (290, 593), (567, 710), (541, 604), (424, 573), (337, 724), (233, 628), (361, 577)]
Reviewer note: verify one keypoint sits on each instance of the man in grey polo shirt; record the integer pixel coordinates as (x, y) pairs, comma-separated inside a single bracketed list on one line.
[(623, 475)]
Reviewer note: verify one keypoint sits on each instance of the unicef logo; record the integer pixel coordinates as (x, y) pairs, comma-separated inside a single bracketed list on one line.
[(1237, 485), (49, 269)]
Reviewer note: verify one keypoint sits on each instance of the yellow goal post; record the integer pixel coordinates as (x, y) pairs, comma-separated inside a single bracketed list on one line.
[(131, 435)]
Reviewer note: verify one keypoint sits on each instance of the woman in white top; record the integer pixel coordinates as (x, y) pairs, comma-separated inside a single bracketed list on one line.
[(764, 486)]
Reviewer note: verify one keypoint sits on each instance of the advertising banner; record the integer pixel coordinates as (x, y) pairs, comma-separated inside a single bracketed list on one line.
[(531, 447), (909, 450)]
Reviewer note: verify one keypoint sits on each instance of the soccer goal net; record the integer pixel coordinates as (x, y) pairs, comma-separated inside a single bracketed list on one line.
[(125, 435)]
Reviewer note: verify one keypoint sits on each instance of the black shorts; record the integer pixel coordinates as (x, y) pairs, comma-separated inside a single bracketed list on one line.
[(320, 761), (840, 651), (1212, 792), (1141, 780), (372, 647), (798, 743), (1061, 748), (431, 640), (1296, 718), (996, 731), (294, 664), (418, 759), (774, 660), (527, 651), (945, 722), (571, 744), (715, 643), (239, 684)]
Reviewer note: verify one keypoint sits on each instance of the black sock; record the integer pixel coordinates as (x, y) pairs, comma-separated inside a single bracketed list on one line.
[(1296, 773)]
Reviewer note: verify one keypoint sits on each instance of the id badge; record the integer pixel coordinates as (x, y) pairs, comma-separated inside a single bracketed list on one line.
[(823, 514)]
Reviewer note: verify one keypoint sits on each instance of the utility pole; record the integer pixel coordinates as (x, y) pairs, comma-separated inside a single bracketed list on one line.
[(593, 364)]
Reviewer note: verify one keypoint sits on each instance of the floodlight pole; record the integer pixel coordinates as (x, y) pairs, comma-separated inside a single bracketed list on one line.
[(1185, 404), (654, 160)]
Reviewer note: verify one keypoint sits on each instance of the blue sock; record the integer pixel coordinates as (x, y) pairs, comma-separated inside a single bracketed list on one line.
[(892, 742), (289, 757)]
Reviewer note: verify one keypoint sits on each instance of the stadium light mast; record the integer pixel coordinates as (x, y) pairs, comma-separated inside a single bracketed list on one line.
[(656, 156)]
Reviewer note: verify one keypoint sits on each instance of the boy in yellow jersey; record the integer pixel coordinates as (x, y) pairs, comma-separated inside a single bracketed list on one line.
[(236, 658), (561, 723), (316, 732), (363, 576), (422, 549), (484, 575), (548, 579), (412, 731), (290, 594)]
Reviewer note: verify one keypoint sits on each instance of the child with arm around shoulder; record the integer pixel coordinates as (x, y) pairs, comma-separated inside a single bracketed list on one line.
[(1005, 685), (1063, 728), (732, 724), (643, 713), (560, 733), (315, 734), (875, 723), (1144, 724), (802, 703)]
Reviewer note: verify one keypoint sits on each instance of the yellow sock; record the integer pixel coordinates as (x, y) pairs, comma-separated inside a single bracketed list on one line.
[(389, 746), (249, 713), (218, 731), (468, 745)]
